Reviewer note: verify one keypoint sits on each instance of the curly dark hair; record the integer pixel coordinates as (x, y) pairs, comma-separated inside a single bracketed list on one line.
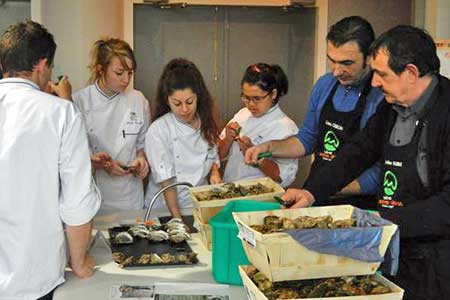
[(180, 74), (267, 78)]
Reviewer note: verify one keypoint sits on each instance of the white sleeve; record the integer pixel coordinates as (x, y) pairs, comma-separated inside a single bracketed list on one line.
[(79, 197), (288, 166), (146, 123), (159, 153)]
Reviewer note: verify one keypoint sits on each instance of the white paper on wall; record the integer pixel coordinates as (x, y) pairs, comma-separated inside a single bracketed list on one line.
[(443, 51)]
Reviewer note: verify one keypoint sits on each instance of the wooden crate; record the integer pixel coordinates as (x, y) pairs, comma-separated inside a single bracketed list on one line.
[(279, 257), (208, 209), (205, 231), (253, 293)]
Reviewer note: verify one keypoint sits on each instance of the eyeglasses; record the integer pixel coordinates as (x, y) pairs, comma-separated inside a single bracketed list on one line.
[(255, 99)]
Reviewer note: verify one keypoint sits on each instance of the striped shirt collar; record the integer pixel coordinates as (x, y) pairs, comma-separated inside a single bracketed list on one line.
[(103, 93), (17, 80)]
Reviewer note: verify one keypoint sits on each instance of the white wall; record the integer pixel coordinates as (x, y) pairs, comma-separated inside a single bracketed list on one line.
[(76, 25), (12, 12), (437, 18)]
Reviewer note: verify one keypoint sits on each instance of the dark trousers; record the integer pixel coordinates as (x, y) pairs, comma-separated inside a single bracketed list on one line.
[(424, 270), (49, 296)]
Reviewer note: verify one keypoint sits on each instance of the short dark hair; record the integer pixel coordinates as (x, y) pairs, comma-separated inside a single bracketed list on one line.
[(22, 46), (354, 28), (267, 78), (405, 45), (180, 74)]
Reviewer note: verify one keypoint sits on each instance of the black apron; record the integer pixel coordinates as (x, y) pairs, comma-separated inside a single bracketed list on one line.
[(335, 129), (424, 268)]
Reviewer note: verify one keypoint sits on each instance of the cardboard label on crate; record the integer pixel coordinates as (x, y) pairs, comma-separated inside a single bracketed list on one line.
[(246, 235)]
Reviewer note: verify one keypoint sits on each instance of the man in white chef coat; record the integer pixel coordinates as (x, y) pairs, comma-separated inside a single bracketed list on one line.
[(45, 175)]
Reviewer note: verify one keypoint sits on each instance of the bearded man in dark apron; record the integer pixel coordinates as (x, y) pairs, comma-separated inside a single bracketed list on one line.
[(410, 133)]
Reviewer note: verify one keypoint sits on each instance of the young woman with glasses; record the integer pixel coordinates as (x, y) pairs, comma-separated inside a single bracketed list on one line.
[(261, 120)]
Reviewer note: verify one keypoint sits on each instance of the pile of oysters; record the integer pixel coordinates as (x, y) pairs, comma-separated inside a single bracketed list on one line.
[(153, 258), (174, 231), (318, 288), (279, 224), (231, 190)]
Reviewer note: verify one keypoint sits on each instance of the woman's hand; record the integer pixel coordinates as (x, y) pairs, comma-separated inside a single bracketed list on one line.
[(99, 159), (114, 168), (244, 143), (140, 164), (232, 131)]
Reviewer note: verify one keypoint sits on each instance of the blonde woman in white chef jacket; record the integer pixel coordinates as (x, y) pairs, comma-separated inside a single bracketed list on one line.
[(261, 120), (116, 119), (181, 142)]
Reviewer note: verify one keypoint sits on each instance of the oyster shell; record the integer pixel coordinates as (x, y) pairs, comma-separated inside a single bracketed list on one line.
[(167, 258), (128, 261), (139, 231), (119, 257), (123, 237), (178, 236), (287, 224), (144, 259), (190, 257), (346, 223), (158, 236), (155, 259)]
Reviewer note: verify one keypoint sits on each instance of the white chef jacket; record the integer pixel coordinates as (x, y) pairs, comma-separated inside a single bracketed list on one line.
[(117, 125), (273, 125), (45, 180), (176, 150)]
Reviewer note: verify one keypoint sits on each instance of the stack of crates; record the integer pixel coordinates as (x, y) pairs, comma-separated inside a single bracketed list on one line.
[(281, 258)]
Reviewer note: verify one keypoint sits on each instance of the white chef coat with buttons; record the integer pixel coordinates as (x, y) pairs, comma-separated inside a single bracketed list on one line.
[(273, 125), (45, 180), (176, 150), (116, 124)]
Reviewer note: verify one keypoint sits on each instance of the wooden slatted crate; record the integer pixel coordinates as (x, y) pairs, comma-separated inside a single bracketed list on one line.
[(209, 208), (205, 231), (279, 257), (253, 293)]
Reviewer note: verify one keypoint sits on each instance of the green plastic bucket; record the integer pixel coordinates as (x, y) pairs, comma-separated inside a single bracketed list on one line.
[(227, 251)]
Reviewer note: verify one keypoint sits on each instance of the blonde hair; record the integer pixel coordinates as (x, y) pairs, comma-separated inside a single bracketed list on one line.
[(102, 53)]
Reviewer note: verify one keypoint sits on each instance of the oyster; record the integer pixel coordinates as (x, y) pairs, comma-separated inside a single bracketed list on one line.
[(178, 236), (231, 190), (123, 237), (139, 231), (287, 293), (304, 222), (317, 288), (144, 259), (128, 261), (262, 281), (346, 223), (119, 257), (167, 258), (287, 223), (158, 236), (175, 226), (155, 259), (324, 222), (272, 221), (190, 257)]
